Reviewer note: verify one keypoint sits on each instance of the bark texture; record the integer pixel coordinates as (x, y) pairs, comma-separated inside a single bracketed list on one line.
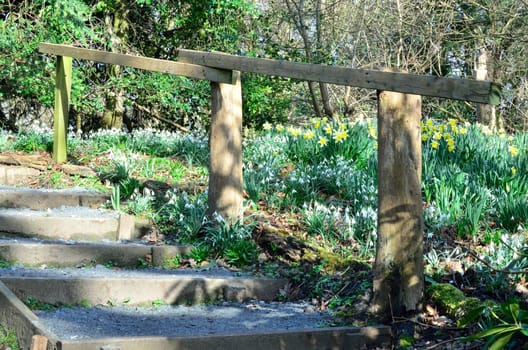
[(225, 143), (398, 273)]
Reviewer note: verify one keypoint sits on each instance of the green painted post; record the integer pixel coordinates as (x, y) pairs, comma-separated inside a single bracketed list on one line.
[(63, 79)]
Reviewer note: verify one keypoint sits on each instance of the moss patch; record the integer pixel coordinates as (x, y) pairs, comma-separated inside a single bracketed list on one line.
[(452, 300)]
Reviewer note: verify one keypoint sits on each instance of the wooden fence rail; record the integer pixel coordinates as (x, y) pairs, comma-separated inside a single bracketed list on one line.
[(398, 273), (452, 88)]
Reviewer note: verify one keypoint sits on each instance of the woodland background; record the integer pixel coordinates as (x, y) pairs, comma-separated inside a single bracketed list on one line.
[(487, 39)]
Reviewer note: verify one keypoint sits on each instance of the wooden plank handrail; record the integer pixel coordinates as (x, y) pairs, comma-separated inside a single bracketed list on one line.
[(151, 64), (452, 88)]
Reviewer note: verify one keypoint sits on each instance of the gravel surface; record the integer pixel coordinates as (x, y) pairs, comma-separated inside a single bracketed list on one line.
[(100, 271), (60, 190), (122, 321), (73, 212)]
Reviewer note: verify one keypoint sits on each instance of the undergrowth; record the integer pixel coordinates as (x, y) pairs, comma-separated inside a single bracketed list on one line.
[(315, 186)]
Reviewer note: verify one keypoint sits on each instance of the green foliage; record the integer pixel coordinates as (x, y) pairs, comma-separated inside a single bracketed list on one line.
[(23, 72), (35, 304), (266, 99), (512, 212), (186, 214), (33, 141), (172, 263), (232, 240), (200, 252), (158, 303), (241, 253), (503, 326), (8, 339), (140, 204)]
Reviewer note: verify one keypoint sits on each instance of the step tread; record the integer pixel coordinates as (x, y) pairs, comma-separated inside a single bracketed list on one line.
[(195, 320), (69, 253), (102, 272), (62, 211), (100, 285), (25, 197)]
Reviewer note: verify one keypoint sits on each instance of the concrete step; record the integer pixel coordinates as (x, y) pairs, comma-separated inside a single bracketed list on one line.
[(41, 199), (14, 175), (33, 252), (102, 285), (32, 330), (70, 223)]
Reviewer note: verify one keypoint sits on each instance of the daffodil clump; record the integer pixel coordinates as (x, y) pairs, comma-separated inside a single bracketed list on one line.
[(436, 134), (323, 138)]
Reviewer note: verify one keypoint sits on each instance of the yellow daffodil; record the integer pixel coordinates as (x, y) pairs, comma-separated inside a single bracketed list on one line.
[(434, 144), (450, 145), (514, 170), (294, 132), (514, 151), (322, 141), (340, 135), (309, 135), (463, 131), (328, 129), (316, 122), (372, 131), (429, 123), (424, 137), (437, 136), (279, 127), (266, 126)]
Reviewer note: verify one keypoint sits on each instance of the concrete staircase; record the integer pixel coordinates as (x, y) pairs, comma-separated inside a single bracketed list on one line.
[(62, 248)]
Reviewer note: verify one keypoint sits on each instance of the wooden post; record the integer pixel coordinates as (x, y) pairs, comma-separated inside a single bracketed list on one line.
[(62, 106), (486, 113), (398, 271), (225, 143), (39, 342)]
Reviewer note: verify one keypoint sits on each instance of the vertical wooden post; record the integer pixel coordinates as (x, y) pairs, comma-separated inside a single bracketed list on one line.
[(63, 77), (225, 144), (486, 113), (398, 272), (39, 342)]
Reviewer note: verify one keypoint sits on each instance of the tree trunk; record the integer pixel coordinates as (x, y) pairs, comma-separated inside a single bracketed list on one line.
[(398, 271), (325, 97), (117, 26), (486, 114), (225, 143), (297, 11)]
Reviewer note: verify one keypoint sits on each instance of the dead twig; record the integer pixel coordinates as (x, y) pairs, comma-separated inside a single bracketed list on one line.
[(159, 117), (493, 268)]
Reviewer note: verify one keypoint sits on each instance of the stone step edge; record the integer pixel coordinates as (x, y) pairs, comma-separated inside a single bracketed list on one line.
[(41, 199), (124, 227), (74, 254), (134, 290), (19, 318), (338, 338)]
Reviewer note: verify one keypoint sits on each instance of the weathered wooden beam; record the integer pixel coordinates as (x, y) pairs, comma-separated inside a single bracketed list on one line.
[(225, 156), (63, 78), (39, 342), (451, 88), (151, 64), (398, 270)]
